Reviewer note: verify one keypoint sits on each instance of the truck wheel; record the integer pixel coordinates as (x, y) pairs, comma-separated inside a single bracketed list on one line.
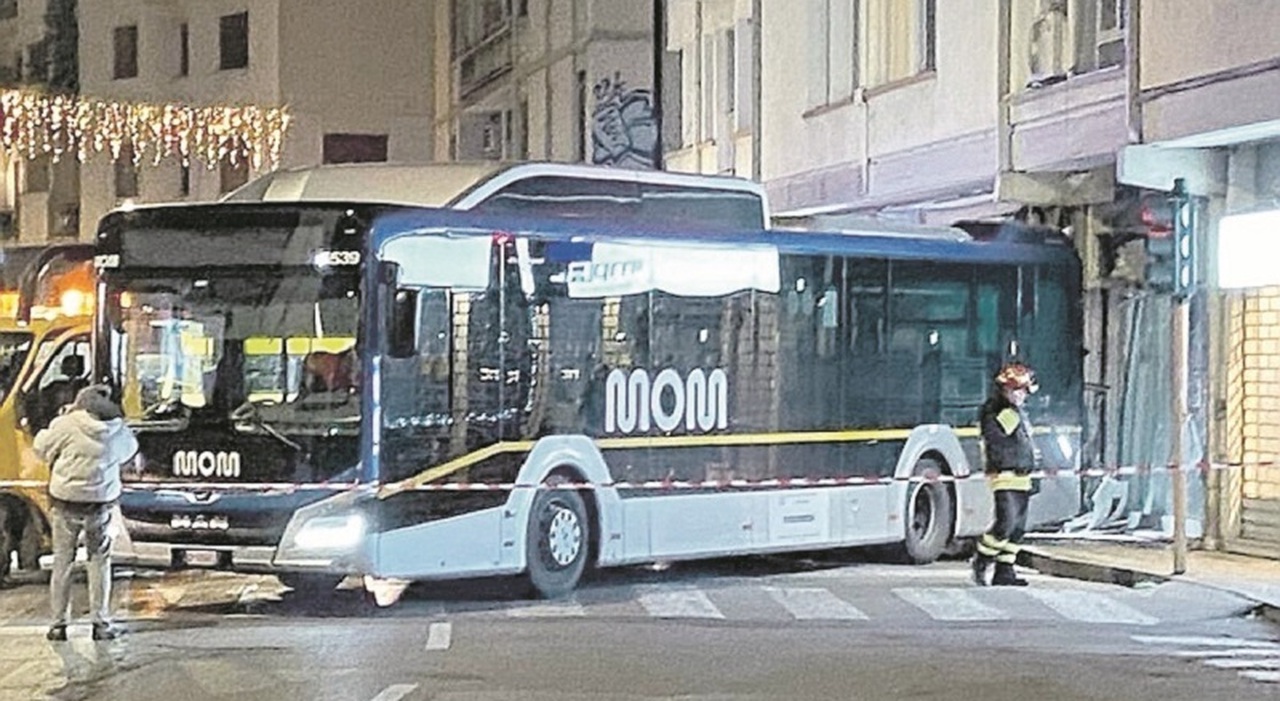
[(558, 540)]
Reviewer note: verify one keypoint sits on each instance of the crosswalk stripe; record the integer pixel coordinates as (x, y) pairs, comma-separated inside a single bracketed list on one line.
[(439, 636), (1261, 675), (395, 692), (568, 608), (681, 603), (944, 604), (1090, 607), (1236, 663), (1219, 652), (1189, 640), (809, 603)]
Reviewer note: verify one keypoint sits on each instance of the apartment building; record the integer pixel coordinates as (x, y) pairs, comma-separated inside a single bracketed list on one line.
[(354, 78), (39, 199), (562, 80)]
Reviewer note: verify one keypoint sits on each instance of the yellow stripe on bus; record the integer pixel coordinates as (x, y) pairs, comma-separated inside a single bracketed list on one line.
[(463, 462)]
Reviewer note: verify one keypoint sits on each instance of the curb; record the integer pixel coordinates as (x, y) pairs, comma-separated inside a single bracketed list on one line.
[(1123, 576), (1088, 571)]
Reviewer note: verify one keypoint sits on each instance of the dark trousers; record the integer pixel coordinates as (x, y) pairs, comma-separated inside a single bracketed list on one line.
[(1001, 542)]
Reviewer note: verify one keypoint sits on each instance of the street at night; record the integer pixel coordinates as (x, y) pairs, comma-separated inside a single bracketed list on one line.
[(726, 629)]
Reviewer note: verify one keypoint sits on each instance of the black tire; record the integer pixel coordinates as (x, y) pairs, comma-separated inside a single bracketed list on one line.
[(929, 515), (558, 541)]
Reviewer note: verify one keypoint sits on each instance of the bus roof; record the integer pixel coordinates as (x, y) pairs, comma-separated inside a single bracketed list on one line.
[(873, 240), (459, 185)]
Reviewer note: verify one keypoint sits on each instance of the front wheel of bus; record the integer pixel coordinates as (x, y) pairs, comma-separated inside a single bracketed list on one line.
[(929, 514), (557, 541)]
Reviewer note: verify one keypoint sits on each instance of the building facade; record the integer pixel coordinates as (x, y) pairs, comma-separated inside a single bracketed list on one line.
[(1207, 109), (355, 82), (559, 80), (1075, 113)]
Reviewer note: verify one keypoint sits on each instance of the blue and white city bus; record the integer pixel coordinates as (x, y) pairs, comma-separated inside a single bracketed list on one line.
[(328, 389)]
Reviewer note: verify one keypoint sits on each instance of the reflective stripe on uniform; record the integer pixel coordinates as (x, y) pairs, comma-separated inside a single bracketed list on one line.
[(1001, 550), (990, 546), (1011, 481), (1008, 420)]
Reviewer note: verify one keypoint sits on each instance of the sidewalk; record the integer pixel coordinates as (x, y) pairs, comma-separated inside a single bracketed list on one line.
[(1254, 578)]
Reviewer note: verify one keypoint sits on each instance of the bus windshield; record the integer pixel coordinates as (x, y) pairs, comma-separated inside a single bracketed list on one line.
[(270, 353)]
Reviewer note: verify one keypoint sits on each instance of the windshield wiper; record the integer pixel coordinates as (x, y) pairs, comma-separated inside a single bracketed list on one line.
[(248, 413)]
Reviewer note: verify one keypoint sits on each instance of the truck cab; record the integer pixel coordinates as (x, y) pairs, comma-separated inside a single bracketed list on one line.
[(44, 360)]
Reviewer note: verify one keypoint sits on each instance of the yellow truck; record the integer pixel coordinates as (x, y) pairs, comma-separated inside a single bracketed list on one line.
[(44, 360)]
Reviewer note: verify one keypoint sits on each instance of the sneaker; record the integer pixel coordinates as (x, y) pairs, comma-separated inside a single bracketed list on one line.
[(57, 633), (104, 631)]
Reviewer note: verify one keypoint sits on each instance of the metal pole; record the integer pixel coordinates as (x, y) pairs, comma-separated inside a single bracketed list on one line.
[(1179, 390)]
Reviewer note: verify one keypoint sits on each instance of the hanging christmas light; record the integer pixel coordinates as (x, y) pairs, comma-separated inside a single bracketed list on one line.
[(35, 124)]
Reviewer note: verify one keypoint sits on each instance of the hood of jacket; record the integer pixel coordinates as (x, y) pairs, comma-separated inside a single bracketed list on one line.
[(84, 455)]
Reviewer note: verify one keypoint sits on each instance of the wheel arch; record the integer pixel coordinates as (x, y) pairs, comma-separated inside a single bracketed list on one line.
[(577, 458)]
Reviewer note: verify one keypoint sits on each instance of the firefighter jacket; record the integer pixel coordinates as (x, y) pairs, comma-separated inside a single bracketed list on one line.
[(1006, 437)]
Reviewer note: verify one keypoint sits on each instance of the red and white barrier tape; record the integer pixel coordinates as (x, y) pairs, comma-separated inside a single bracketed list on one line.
[(775, 482)]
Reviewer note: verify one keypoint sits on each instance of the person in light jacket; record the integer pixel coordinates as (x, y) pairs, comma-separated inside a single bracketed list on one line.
[(85, 447)]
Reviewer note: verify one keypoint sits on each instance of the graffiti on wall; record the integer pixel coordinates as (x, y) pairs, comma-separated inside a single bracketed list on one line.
[(624, 130)]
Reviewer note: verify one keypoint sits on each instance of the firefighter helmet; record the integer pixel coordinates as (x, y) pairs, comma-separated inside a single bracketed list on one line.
[(1017, 376)]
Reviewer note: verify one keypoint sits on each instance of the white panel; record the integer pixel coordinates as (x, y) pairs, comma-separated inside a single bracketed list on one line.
[(687, 270), (636, 539), (454, 546), (861, 514), (438, 261), (700, 524), (800, 517), (1248, 245)]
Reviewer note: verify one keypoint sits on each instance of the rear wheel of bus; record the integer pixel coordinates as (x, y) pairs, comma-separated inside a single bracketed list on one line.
[(929, 514), (558, 539)]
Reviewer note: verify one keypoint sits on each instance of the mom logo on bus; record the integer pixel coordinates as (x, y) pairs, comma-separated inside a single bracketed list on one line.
[(206, 463), (634, 403)]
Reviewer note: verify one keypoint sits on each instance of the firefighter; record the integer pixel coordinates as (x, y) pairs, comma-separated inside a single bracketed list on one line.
[(1010, 459)]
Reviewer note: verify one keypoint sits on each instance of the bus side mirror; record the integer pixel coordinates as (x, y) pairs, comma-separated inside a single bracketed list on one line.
[(402, 323)]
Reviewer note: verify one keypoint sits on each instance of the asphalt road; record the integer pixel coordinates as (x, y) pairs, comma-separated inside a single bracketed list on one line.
[(759, 628)]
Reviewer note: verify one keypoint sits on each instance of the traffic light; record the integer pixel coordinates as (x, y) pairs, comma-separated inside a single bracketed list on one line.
[(1184, 241), (1169, 221)]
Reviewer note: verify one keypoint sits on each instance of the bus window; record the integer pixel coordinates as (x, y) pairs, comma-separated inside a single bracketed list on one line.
[(571, 198), (574, 198), (726, 209)]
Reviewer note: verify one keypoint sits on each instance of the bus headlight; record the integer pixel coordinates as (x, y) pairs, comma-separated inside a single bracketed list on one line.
[(331, 532)]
